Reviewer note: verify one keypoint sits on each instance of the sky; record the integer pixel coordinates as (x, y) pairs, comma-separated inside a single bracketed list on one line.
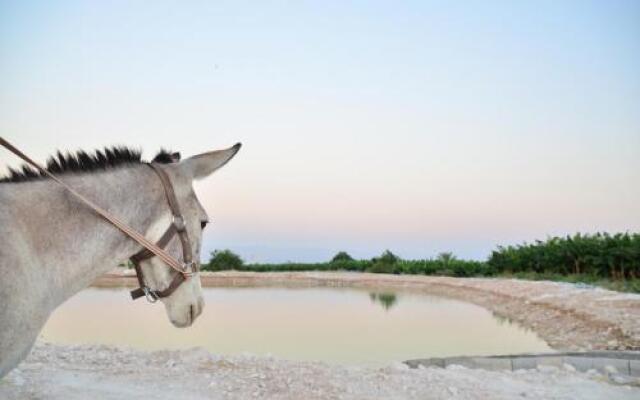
[(419, 127)]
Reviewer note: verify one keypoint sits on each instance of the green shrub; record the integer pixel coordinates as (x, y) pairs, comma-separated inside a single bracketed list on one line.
[(387, 263), (342, 256), (223, 260), (607, 256)]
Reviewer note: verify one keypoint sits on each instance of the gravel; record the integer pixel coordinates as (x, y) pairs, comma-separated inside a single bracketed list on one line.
[(100, 372)]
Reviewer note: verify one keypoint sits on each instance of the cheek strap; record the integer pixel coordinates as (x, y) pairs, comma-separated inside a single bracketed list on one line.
[(177, 227)]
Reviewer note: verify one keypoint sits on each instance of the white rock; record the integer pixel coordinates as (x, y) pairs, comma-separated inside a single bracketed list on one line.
[(548, 369), (568, 367), (593, 373), (399, 366), (18, 380), (624, 379), (521, 371), (610, 369)]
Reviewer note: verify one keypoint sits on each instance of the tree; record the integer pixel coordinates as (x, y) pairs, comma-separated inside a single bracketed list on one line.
[(342, 256), (223, 260), (446, 258), (385, 264)]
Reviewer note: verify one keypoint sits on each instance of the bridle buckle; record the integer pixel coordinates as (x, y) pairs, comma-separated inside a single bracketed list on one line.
[(189, 268), (178, 222), (149, 294)]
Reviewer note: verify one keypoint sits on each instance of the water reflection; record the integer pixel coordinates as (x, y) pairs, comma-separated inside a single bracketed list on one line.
[(334, 325), (386, 300)]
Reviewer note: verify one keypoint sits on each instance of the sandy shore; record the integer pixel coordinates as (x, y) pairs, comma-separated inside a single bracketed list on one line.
[(568, 317)]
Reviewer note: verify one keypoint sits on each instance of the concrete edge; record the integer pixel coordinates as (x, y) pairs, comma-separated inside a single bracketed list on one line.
[(622, 362)]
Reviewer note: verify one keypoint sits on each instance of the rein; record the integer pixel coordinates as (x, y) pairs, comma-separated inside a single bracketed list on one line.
[(150, 249)]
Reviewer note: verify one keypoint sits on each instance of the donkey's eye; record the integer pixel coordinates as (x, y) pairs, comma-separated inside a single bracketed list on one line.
[(203, 224)]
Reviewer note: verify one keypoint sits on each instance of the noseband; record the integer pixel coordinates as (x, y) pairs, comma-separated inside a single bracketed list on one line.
[(177, 227)]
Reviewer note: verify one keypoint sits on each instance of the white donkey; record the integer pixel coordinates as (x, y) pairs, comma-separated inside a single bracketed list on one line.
[(52, 245)]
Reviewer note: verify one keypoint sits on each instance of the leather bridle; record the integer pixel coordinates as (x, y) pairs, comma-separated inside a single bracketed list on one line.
[(184, 269), (177, 227)]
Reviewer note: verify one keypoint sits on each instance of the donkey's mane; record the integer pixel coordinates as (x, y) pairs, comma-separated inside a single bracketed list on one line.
[(81, 161)]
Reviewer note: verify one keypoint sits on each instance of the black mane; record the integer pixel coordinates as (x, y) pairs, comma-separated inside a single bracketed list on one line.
[(81, 161)]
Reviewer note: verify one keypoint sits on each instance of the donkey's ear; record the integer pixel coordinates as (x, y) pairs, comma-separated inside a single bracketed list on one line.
[(205, 164)]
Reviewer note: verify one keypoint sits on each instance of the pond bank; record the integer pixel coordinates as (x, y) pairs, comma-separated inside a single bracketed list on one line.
[(568, 317)]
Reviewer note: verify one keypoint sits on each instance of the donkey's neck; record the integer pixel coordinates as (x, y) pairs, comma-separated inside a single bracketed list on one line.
[(72, 244)]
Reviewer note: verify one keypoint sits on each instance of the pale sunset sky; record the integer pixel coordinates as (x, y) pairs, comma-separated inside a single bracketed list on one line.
[(420, 127)]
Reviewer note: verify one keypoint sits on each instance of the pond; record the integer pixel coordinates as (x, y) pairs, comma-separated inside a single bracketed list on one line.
[(347, 326)]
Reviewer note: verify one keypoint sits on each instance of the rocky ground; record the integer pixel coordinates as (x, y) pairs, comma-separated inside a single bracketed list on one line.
[(569, 317), (97, 372)]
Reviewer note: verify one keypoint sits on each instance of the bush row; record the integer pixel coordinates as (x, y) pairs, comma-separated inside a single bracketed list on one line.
[(389, 263), (599, 255)]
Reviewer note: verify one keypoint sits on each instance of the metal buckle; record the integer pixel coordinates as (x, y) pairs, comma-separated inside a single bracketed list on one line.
[(150, 295), (189, 268), (178, 222)]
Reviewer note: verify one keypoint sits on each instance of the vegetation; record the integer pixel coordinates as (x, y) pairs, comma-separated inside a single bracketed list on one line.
[(387, 263), (611, 261), (601, 255), (342, 256), (223, 260)]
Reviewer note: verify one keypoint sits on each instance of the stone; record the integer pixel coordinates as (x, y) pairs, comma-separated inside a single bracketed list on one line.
[(568, 367), (622, 379), (582, 364), (610, 369), (548, 369), (468, 362), (399, 366), (614, 364), (592, 373)]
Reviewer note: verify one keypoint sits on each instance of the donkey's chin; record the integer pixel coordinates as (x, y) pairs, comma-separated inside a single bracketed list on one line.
[(181, 323)]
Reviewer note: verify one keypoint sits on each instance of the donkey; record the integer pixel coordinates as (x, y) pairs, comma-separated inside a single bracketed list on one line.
[(52, 245)]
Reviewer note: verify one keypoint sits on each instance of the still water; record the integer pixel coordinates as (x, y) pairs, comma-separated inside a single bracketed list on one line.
[(335, 325)]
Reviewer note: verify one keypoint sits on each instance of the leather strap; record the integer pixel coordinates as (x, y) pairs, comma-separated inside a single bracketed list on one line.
[(145, 254), (156, 294), (177, 226)]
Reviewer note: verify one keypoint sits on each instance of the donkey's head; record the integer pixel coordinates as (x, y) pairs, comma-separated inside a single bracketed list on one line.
[(185, 303)]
